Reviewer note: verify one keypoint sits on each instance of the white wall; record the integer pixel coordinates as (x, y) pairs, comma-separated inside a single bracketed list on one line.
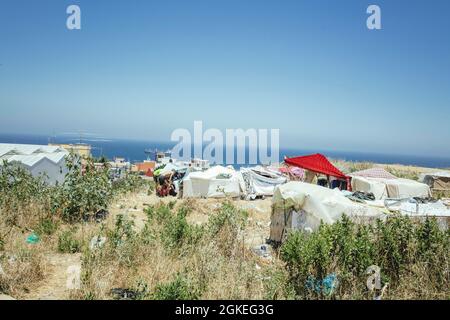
[(55, 172)]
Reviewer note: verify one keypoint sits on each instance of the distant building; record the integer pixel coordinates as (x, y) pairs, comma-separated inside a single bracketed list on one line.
[(119, 163), (81, 149), (39, 160), (144, 167)]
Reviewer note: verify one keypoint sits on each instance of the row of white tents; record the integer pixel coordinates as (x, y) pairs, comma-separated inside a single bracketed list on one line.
[(219, 181), (300, 205)]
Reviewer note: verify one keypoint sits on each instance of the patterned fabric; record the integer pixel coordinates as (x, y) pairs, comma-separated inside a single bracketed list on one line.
[(374, 173)]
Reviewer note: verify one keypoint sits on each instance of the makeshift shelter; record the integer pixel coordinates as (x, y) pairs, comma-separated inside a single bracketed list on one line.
[(302, 206), (318, 163), (259, 181), (216, 182), (438, 181), (370, 185), (371, 180), (385, 185), (40, 160)]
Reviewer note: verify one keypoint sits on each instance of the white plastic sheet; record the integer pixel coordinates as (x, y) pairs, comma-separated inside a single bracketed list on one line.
[(302, 206)]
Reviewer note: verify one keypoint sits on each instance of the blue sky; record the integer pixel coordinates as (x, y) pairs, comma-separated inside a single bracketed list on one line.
[(140, 69)]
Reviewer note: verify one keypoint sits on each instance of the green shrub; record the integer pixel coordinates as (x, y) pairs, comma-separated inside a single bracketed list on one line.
[(176, 231), (177, 289), (227, 216), (47, 226), (122, 232), (399, 246), (158, 213), (67, 243), (85, 190), (17, 185), (131, 182)]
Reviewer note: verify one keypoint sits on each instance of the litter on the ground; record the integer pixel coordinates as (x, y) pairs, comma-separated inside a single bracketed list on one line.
[(97, 242), (33, 238)]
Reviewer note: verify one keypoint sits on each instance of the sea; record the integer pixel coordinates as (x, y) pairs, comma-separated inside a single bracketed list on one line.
[(133, 150)]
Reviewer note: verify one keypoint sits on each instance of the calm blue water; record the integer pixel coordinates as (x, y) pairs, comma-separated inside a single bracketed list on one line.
[(133, 150)]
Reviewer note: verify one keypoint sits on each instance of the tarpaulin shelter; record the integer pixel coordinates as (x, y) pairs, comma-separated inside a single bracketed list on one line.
[(216, 182), (385, 185), (302, 206), (317, 163), (260, 181)]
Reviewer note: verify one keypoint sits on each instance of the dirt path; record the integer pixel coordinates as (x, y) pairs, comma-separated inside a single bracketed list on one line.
[(54, 286)]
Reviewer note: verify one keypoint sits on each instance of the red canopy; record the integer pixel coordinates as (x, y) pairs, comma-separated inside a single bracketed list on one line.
[(317, 163)]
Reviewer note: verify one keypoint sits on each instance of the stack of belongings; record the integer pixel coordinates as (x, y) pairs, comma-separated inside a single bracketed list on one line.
[(303, 206), (260, 181), (216, 182), (438, 181), (385, 185)]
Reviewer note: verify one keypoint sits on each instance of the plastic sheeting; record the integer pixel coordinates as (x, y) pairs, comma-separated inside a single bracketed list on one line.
[(390, 188), (216, 182), (259, 181), (375, 186), (405, 188), (302, 206)]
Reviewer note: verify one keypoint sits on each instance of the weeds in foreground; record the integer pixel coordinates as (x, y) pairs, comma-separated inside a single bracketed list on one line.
[(175, 260), (406, 252)]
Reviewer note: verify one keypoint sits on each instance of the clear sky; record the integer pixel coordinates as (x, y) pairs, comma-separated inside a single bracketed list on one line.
[(140, 69)]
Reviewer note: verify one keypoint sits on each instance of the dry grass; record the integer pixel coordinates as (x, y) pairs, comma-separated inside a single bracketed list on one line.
[(215, 266)]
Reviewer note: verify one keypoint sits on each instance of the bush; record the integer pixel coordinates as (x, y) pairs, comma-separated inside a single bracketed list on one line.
[(399, 246), (172, 227), (47, 226), (177, 289), (67, 243), (123, 231), (227, 216), (19, 191), (18, 186), (131, 182), (85, 190)]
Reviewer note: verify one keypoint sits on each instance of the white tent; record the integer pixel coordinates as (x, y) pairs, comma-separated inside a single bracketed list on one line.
[(39, 160), (384, 185), (406, 188), (302, 206), (259, 181), (370, 185), (216, 182)]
